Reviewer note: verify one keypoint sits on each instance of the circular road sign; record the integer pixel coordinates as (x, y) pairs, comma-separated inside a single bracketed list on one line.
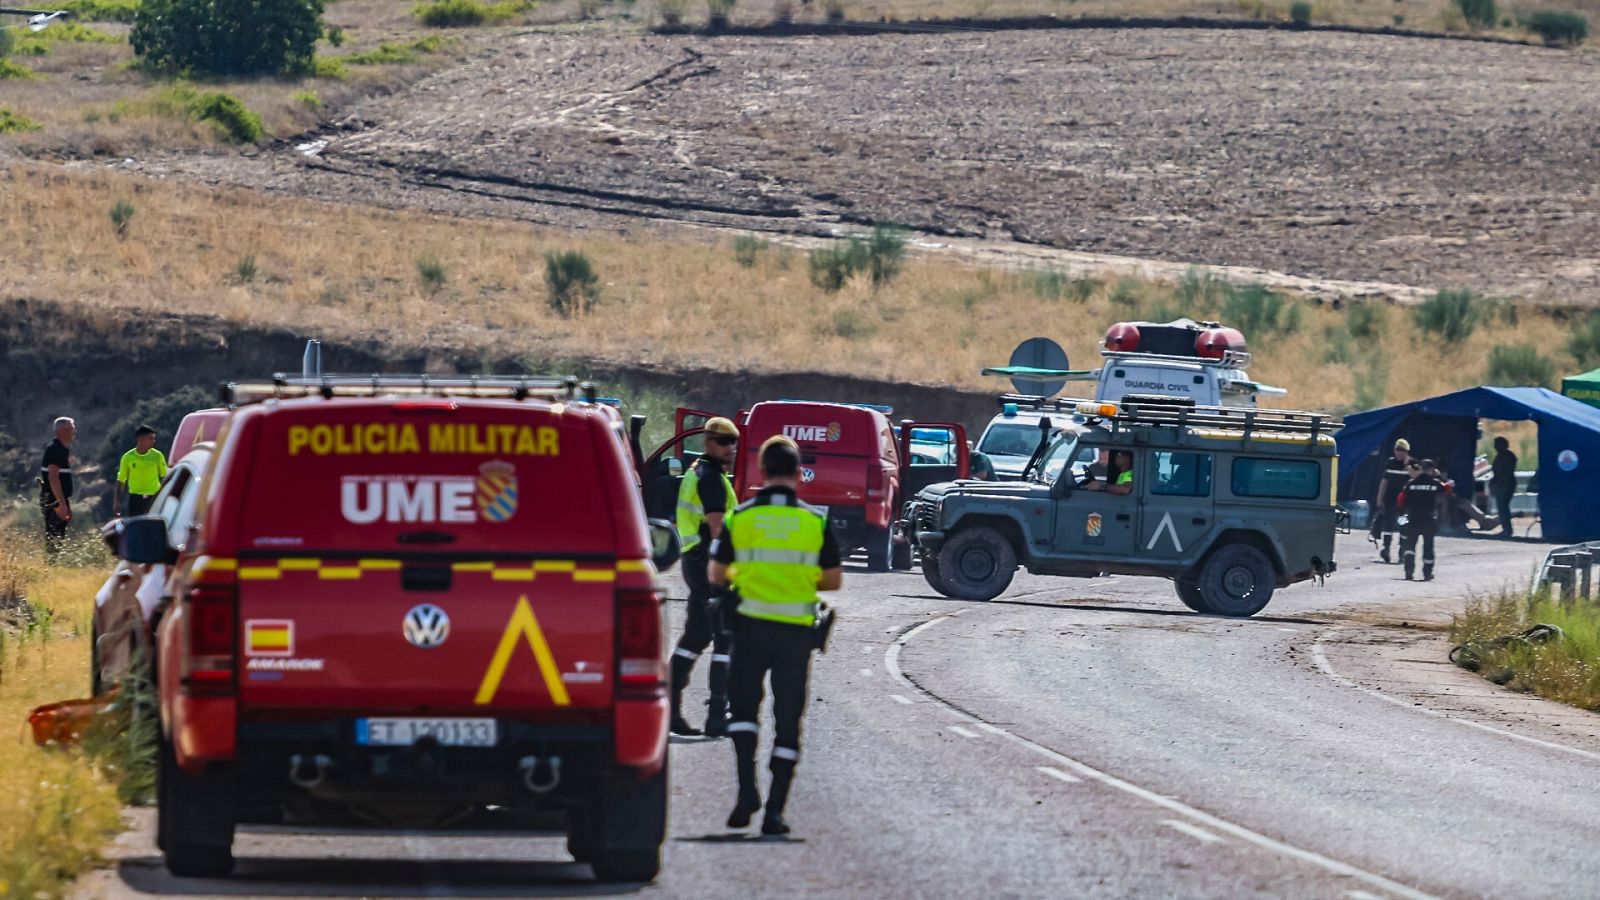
[(1039, 353)]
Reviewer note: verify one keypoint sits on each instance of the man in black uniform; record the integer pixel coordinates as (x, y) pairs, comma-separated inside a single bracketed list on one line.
[(776, 553), (55, 485), (704, 498), (1420, 502), (1503, 483), (1383, 512)]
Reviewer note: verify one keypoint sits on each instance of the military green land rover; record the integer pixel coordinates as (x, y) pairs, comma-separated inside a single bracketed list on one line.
[(1230, 503)]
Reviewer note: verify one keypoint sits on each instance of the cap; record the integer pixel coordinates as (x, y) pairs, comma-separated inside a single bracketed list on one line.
[(1402, 444), (1428, 464), (719, 425)]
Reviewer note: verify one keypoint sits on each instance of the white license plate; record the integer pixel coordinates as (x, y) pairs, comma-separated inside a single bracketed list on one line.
[(405, 732)]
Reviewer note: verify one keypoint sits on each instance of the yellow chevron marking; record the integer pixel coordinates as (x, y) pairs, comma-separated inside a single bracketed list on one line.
[(594, 575), (472, 567), (299, 565), (523, 624), (554, 565), (512, 575), (339, 573)]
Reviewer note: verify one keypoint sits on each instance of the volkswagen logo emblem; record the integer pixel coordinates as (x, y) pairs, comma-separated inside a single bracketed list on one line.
[(808, 475), (426, 626)]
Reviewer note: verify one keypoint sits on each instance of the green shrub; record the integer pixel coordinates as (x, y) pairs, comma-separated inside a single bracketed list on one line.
[(335, 35), (1478, 13), (1260, 312), (1583, 343), (11, 71), (1371, 382), (229, 114), (432, 273), (572, 282), (1199, 292), (101, 10), (1365, 320), (121, 217), (1451, 315), (245, 269), (1520, 365), (229, 37), (717, 13), (747, 248), (11, 123), (1300, 12), (1559, 27), (8, 41), (331, 68), (309, 99), (464, 13), (852, 325), (833, 10), (886, 252), (1126, 292), (396, 54), (832, 267)]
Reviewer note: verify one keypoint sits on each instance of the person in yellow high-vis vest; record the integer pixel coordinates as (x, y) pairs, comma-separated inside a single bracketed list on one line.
[(704, 498), (776, 553)]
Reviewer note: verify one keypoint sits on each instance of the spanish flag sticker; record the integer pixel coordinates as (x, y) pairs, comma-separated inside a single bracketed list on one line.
[(269, 637)]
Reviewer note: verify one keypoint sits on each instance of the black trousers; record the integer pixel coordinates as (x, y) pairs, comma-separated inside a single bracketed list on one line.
[(55, 527), (699, 632), (1382, 526), (1414, 529), (139, 504), (1502, 505), (782, 652)]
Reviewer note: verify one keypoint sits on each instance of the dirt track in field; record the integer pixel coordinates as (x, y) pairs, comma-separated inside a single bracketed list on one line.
[(1405, 161)]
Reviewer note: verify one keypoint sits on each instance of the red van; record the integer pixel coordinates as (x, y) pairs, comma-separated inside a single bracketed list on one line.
[(414, 605), (197, 427), (854, 462)]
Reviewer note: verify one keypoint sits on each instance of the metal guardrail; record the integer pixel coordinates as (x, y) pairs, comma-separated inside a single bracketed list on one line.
[(1571, 570)]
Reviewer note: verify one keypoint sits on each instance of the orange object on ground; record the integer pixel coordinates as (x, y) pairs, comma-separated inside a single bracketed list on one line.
[(63, 723)]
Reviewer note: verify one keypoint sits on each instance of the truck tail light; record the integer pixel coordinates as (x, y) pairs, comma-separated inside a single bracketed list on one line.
[(875, 482), (640, 666), (213, 635)]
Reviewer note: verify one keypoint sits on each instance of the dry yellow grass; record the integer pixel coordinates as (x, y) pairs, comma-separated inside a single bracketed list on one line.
[(56, 809), (334, 271)]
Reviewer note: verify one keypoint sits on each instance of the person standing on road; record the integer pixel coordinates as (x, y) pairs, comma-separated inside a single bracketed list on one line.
[(139, 474), (1503, 483), (1420, 502), (55, 485), (776, 553), (1394, 478), (704, 498)]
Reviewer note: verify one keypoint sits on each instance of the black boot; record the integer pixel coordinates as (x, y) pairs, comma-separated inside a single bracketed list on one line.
[(778, 797), (681, 667), (1427, 573), (744, 754), (1384, 554), (717, 710)]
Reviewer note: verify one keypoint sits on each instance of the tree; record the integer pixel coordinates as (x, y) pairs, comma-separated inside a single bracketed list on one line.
[(229, 37)]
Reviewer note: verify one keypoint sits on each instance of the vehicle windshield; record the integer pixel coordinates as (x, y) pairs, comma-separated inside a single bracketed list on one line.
[(1010, 439), (1057, 458)]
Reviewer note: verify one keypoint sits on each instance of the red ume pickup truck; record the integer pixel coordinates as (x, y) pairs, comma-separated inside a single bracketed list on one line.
[(409, 603)]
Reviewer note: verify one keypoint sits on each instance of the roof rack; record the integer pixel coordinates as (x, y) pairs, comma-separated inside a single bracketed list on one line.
[(1231, 359), (1036, 401), (878, 407), (1246, 420), (515, 387)]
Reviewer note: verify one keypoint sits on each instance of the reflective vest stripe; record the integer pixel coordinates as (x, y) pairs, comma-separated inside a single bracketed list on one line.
[(797, 613), (791, 557)]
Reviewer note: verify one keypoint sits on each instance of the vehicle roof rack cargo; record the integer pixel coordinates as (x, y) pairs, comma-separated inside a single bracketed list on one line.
[(1231, 359), (514, 387), (1246, 420)]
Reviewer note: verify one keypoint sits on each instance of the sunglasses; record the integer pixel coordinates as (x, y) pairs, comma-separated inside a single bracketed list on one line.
[(725, 440)]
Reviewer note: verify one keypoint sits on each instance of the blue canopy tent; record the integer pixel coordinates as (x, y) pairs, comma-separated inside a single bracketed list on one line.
[(1446, 429)]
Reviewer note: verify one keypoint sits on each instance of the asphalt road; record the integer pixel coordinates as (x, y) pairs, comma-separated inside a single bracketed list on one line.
[(1084, 738)]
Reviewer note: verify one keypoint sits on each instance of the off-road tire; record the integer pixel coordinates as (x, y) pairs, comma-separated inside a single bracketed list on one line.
[(632, 864), (880, 543), (194, 818), (630, 824), (1237, 580), (977, 563), (900, 557), (931, 572), (580, 835), (1189, 592)]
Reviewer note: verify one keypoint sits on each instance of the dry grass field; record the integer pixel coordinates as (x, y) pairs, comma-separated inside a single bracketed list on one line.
[(422, 279)]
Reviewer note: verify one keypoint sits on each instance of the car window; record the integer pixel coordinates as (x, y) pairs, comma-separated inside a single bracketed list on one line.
[(1293, 479), (1181, 474), (1062, 453), (1010, 439), (170, 497), (188, 505)]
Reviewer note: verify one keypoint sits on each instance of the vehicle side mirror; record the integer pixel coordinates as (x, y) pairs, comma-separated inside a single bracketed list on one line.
[(664, 546), (674, 467), (111, 533), (144, 540)]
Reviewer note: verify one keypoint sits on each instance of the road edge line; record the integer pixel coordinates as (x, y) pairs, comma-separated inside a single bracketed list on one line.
[(891, 663)]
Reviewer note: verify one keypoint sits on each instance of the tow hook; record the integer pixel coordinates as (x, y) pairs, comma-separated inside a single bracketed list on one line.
[(308, 771), (540, 774)]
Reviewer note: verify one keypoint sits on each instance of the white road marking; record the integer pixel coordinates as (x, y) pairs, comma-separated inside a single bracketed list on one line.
[(1194, 831), (1059, 775), (991, 728), (1290, 630), (963, 732), (891, 664), (899, 699), (1321, 657)]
